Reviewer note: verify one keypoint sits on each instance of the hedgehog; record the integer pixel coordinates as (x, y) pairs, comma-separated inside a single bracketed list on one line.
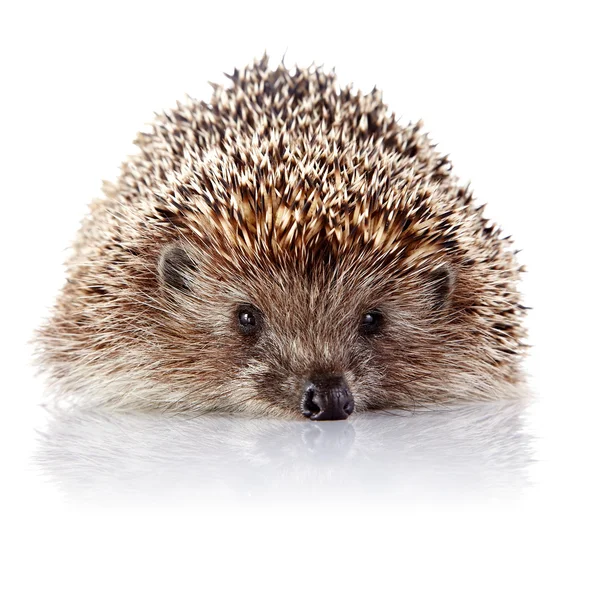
[(288, 249)]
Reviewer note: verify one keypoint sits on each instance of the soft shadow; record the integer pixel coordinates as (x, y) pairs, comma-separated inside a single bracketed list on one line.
[(468, 453)]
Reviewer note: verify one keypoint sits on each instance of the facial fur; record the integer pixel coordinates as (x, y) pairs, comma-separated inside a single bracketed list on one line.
[(288, 231)]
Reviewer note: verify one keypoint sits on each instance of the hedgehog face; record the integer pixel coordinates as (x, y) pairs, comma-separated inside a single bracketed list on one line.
[(320, 340)]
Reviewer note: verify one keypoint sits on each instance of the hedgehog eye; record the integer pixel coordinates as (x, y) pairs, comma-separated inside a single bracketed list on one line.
[(371, 322), (248, 319)]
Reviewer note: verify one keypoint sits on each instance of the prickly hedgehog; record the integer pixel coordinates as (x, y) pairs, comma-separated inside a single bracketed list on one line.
[(287, 249)]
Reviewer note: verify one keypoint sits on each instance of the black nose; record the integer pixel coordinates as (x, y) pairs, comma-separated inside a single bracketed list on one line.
[(327, 399)]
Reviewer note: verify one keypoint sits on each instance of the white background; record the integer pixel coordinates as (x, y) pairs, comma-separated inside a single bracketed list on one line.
[(100, 506)]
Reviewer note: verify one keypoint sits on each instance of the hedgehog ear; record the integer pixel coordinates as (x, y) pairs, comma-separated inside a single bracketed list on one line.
[(440, 285), (176, 268)]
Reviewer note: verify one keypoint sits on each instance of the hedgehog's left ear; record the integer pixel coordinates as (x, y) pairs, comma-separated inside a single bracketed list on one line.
[(440, 285), (176, 268)]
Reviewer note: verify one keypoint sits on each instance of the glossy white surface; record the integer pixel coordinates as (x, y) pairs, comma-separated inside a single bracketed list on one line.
[(471, 453)]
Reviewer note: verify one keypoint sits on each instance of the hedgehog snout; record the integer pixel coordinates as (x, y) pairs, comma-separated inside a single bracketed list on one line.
[(327, 398)]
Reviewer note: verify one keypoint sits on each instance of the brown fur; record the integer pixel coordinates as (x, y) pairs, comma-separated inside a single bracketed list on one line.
[(314, 205)]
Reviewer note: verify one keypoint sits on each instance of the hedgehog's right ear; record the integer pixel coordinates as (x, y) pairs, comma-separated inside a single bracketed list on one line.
[(176, 268)]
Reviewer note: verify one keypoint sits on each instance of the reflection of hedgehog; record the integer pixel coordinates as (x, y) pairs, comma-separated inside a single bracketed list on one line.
[(472, 449), (286, 249)]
